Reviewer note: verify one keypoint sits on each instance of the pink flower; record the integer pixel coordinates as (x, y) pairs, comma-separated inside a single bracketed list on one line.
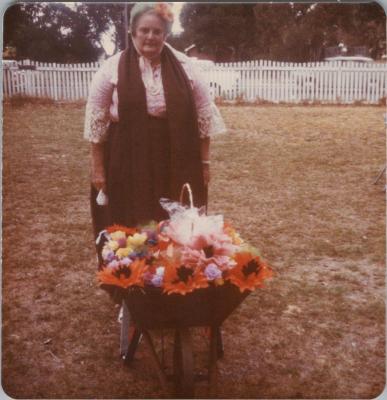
[(121, 242), (202, 258), (224, 262), (214, 245), (193, 257)]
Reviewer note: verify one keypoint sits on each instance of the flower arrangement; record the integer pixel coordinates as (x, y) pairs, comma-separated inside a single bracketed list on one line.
[(164, 10), (189, 251)]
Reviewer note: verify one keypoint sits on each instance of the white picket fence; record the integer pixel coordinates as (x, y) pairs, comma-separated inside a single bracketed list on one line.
[(66, 82), (325, 82), (277, 82)]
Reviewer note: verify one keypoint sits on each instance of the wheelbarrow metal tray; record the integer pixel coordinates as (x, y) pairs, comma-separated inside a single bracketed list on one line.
[(152, 309)]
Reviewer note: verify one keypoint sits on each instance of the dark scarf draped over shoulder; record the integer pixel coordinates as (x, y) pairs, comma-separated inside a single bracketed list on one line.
[(129, 177)]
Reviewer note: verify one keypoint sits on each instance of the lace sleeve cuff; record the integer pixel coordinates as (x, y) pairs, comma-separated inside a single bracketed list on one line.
[(97, 121), (210, 121)]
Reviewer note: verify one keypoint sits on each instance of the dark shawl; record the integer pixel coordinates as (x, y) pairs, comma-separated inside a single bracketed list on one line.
[(129, 180)]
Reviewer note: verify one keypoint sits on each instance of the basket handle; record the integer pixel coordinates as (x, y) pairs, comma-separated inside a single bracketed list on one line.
[(186, 187)]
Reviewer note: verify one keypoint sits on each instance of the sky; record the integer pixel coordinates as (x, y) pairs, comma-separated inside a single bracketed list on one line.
[(176, 28)]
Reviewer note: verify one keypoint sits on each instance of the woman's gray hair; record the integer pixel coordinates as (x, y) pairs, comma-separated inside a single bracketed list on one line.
[(162, 10)]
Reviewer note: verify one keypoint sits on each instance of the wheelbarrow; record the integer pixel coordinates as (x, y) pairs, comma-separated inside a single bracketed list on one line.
[(150, 309)]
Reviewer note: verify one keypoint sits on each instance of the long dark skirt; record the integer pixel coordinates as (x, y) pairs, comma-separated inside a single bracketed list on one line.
[(159, 153)]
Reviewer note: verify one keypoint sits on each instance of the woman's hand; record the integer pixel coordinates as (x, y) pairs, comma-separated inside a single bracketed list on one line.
[(98, 176), (98, 179)]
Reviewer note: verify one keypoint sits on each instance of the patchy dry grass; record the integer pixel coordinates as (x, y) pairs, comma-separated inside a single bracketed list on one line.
[(296, 181)]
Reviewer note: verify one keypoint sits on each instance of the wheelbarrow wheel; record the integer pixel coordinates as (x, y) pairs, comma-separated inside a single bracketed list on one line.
[(183, 364)]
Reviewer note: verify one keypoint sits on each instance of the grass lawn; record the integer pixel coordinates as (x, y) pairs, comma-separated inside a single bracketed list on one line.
[(296, 181)]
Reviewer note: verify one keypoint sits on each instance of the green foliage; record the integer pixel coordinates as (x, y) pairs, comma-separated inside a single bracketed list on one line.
[(220, 29), (179, 42), (101, 17), (282, 31), (299, 32), (53, 32), (324, 25), (48, 33)]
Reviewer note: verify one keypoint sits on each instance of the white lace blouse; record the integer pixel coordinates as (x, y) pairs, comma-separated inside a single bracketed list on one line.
[(102, 103)]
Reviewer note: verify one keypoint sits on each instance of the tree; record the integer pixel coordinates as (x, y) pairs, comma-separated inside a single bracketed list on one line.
[(275, 27), (47, 33), (305, 30), (179, 42), (53, 32), (366, 26), (220, 29), (297, 32), (101, 17)]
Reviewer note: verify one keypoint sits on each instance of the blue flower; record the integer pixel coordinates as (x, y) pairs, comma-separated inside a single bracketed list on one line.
[(212, 272), (113, 264), (157, 280), (126, 261)]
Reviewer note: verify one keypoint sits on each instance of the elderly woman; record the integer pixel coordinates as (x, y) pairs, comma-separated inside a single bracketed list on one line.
[(149, 118)]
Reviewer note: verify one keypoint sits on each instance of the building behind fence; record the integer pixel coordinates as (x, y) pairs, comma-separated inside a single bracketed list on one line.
[(341, 82)]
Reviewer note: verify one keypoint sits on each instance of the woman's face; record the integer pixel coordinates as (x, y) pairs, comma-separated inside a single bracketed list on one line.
[(149, 35)]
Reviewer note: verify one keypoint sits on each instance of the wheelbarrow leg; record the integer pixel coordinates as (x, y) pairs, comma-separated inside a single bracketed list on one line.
[(382, 171), (183, 364), (124, 334), (219, 343), (129, 338), (160, 369), (214, 354), (135, 340)]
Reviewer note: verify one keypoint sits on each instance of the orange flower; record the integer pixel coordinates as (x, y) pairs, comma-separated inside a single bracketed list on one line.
[(182, 279), (162, 243), (249, 273), (128, 231), (124, 276), (165, 11)]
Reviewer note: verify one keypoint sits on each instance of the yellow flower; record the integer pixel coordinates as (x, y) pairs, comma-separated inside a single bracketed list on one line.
[(137, 240), (112, 244), (247, 248), (123, 252), (236, 239), (118, 235)]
